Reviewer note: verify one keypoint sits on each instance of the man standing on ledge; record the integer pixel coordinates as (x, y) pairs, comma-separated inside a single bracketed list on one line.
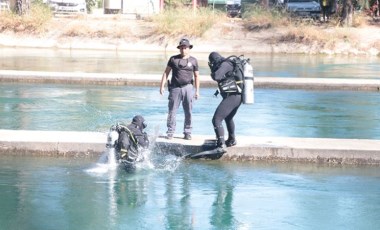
[(181, 87)]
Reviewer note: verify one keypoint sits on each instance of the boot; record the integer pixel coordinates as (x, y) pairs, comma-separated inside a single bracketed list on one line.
[(231, 142), (221, 145)]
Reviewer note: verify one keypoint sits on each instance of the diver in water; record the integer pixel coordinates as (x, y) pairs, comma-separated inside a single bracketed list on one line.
[(131, 140), (222, 72)]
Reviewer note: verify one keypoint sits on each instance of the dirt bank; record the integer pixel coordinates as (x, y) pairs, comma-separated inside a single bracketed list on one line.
[(126, 33)]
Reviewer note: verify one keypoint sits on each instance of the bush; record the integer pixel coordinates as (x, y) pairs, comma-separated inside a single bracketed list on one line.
[(32, 22), (90, 4), (255, 17), (185, 21)]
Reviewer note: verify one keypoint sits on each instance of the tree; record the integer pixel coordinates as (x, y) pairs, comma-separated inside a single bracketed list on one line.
[(22, 7), (347, 15)]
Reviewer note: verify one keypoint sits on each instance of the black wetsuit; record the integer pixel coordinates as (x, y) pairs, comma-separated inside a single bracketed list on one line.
[(228, 107), (132, 139)]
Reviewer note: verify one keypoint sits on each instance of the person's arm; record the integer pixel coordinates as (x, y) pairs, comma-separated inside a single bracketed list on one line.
[(164, 78), (220, 73), (197, 84)]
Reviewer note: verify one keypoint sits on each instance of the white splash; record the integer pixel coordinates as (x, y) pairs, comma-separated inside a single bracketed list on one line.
[(112, 158), (106, 163)]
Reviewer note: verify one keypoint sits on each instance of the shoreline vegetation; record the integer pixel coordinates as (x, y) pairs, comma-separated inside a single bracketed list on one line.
[(260, 30)]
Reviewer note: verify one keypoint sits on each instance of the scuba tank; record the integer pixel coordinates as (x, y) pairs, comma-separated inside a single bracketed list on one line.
[(112, 137), (248, 90)]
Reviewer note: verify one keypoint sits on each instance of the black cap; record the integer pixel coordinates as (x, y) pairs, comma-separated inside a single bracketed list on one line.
[(184, 42)]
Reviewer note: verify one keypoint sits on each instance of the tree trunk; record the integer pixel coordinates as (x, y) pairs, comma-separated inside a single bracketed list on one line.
[(22, 7), (265, 3), (347, 16)]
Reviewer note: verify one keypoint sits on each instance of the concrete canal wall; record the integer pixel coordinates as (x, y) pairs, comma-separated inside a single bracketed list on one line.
[(319, 150), (80, 144)]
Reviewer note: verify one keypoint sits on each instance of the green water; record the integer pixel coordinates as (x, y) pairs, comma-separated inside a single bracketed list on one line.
[(106, 61), (38, 193), (169, 193), (287, 113)]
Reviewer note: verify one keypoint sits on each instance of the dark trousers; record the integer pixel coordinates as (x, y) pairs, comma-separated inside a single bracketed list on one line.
[(226, 111), (176, 96), (325, 12)]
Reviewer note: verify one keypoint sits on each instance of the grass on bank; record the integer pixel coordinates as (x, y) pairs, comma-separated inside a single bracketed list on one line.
[(34, 22), (184, 21), (256, 18)]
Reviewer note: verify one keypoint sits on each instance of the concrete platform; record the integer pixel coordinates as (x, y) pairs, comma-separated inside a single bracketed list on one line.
[(316, 150)]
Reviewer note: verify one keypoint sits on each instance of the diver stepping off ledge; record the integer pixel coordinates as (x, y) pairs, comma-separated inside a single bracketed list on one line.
[(185, 77), (234, 76)]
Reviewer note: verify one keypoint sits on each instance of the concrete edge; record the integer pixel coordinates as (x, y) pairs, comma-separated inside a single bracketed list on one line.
[(206, 81), (284, 149)]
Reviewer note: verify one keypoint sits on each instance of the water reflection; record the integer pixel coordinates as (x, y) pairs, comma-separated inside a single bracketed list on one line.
[(58, 193), (222, 208)]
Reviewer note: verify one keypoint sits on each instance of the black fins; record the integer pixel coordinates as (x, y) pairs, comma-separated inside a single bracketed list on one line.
[(212, 154)]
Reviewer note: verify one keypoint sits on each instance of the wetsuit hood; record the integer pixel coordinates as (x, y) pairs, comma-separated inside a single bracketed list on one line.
[(214, 57), (139, 121)]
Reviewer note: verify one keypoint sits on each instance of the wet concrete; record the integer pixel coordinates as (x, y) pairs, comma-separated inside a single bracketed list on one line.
[(284, 149)]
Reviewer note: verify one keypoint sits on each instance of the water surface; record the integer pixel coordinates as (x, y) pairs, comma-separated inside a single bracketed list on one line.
[(69, 193), (286, 113), (106, 61)]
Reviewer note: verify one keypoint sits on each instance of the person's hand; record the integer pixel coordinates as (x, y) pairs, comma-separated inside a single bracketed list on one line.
[(197, 95), (162, 90)]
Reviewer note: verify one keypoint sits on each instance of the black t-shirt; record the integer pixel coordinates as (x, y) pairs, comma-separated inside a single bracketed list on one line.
[(183, 70)]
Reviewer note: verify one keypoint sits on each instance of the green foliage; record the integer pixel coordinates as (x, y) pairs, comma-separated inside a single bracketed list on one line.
[(90, 4), (100, 3)]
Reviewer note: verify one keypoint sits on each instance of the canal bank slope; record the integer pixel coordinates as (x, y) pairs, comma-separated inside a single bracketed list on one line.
[(283, 149), (123, 33)]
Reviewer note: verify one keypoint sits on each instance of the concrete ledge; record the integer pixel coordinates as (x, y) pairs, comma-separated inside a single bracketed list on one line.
[(206, 81), (25, 142), (316, 150)]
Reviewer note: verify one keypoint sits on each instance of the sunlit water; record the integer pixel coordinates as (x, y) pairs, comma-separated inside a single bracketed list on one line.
[(265, 65), (69, 193), (288, 113)]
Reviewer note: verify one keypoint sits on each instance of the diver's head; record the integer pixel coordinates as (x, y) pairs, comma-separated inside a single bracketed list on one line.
[(139, 121), (214, 58)]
